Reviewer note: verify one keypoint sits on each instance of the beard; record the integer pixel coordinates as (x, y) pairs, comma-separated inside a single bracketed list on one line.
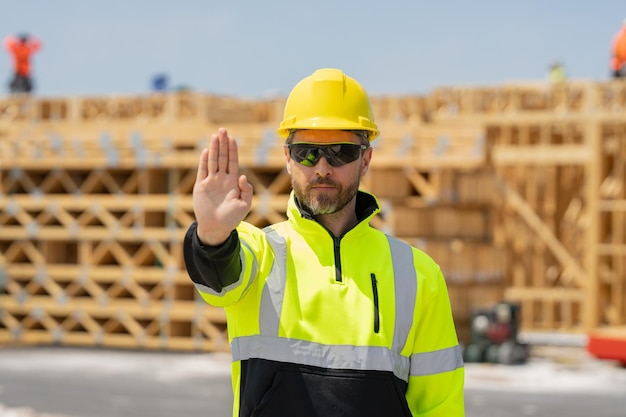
[(317, 202)]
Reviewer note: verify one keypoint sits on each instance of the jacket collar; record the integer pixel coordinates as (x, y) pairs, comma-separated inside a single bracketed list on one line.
[(366, 207)]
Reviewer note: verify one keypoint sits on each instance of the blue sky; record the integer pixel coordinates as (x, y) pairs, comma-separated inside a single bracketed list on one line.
[(257, 47)]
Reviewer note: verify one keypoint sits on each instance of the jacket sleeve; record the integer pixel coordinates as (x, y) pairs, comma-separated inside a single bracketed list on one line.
[(215, 267), (436, 379)]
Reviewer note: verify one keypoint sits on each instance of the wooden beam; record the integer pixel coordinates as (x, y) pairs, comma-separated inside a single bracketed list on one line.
[(545, 294), (535, 223), (549, 155), (593, 180)]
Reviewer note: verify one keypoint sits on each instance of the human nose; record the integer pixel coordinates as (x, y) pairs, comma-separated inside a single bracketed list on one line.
[(323, 168)]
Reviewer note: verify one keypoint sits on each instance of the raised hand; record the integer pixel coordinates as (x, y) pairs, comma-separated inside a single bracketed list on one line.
[(221, 197)]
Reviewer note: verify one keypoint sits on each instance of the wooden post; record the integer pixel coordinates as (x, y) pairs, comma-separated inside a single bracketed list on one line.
[(591, 313)]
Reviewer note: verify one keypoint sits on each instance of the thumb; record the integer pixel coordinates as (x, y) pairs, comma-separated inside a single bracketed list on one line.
[(245, 188)]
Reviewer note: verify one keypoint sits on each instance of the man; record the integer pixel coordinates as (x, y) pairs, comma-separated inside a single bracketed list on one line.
[(618, 52), (557, 73), (327, 316), (21, 48)]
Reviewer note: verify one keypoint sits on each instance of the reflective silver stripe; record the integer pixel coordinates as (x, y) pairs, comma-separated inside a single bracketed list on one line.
[(274, 288), (430, 363), (226, 289), (405, 284), (374, 358)]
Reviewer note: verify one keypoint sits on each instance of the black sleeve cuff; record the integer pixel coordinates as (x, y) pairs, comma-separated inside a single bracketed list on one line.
[(213, 266)]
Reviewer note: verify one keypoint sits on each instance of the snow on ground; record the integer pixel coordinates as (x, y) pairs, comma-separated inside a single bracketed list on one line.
[(153, 365), (21, 412), (545, 376), (551, 369)]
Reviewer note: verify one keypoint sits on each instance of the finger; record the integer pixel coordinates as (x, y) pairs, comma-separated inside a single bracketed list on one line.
[(245, 189), (203, 169), (214, 151), (222, 158), (233, 157)]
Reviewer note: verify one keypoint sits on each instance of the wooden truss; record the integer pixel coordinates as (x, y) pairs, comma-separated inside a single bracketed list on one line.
[(517, 192)]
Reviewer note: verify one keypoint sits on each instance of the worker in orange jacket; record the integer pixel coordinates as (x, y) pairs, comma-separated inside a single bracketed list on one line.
[(21, 48), (618, 52)]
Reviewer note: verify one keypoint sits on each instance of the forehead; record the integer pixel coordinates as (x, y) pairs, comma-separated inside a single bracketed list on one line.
[(325, 136)]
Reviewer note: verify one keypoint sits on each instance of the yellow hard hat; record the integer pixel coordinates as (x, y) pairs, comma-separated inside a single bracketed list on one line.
[(328, 100)]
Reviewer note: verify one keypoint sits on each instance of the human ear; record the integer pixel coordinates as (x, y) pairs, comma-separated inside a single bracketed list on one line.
[(365, 162)]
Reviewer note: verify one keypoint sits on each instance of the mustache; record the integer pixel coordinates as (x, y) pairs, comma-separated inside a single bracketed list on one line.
[(323, 181)]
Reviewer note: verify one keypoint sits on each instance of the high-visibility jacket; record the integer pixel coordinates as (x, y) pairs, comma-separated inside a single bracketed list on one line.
[(21, 53), (356, 325), (618, 50)]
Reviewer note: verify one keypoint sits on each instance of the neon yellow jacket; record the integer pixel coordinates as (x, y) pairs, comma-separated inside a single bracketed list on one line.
[(356, 325)]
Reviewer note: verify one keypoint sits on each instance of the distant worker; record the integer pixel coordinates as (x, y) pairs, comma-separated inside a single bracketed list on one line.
[(21, 48), (557, 74), (618, 52), (160, 83)]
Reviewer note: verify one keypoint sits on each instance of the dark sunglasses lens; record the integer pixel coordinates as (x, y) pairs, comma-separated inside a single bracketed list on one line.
[(307, 155), (342, 154), (336, 155)]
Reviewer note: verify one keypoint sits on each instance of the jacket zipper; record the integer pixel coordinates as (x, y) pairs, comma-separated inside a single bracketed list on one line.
[(376, 312), (337, 249)]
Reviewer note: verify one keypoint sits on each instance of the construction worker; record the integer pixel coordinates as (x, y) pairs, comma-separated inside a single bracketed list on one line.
[(556, 73), (327, 316), (618, 52), (21, 49)]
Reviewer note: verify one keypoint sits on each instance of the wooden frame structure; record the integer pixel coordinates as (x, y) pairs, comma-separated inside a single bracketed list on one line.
[(517, 191)]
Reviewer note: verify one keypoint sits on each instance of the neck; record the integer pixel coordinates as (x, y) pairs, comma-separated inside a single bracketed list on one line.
[(341, 221)]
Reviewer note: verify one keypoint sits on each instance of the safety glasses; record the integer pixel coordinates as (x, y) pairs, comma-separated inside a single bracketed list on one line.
[(337, 154)]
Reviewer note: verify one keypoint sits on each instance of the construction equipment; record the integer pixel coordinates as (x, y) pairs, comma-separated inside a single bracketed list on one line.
[(494, 336)]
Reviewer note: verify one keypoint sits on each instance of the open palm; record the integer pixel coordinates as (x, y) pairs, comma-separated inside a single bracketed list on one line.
[(221, 196)]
